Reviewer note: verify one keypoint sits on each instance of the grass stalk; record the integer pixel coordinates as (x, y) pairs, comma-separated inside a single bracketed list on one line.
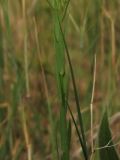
[(2, 64), (61, 78), (26, 134), (91, 106), (112, 24), (25, 49), (76, 94), (113, 41)]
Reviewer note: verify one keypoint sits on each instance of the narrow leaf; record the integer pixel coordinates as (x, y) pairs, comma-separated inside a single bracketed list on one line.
[(107, 150)]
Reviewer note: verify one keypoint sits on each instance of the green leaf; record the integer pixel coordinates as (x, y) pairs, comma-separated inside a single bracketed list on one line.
[(61, 81), (107, 150), (83, 138), (69, 134)]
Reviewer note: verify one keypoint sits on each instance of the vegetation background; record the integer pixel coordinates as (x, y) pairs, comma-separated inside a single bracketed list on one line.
[(32, 68)]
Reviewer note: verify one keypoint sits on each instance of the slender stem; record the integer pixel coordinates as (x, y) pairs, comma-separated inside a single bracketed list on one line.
[(91, 105), (113, 41), (26, 134), (25, 51), (75, 92)]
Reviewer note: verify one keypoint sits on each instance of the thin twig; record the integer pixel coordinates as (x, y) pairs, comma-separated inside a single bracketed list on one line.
[(108, 146)]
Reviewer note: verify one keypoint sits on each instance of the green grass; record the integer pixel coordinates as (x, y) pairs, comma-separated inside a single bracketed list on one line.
[(49, 108)]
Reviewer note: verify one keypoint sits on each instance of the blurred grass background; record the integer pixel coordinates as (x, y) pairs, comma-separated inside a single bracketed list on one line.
[(28, 91)]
